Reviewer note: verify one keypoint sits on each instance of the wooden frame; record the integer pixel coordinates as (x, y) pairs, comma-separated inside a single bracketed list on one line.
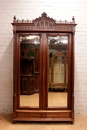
[(43, 26)]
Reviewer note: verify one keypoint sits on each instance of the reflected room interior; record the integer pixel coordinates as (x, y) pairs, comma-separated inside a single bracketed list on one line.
[(29, 71), (58, 71)]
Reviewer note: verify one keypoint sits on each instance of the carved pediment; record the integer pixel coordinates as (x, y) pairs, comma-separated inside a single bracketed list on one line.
[(44, 22)]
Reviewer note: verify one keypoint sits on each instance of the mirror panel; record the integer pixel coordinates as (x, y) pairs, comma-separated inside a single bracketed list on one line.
[(58, 71), (29, 70)]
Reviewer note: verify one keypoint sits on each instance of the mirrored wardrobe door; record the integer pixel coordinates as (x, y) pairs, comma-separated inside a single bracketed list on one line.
[(58, 71), (29, 70)]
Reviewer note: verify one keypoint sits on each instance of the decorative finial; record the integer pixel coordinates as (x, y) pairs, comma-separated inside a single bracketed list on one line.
[(44, 14), (14, 17), (73, 19)]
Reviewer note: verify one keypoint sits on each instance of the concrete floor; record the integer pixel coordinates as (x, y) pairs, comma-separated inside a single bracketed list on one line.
[(6, 124)]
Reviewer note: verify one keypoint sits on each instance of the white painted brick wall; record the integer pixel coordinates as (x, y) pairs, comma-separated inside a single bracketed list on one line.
[(57, 9)]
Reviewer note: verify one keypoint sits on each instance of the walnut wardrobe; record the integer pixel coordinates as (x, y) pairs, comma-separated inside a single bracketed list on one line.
[(43, 79)]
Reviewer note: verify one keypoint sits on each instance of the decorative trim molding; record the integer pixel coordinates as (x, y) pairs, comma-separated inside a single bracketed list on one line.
[(44, 23)]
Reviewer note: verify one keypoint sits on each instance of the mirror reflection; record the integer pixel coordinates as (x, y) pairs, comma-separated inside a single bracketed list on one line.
[(29, 70), (58, 71)]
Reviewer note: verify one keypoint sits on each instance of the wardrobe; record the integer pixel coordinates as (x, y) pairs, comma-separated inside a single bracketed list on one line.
[(43, 70)]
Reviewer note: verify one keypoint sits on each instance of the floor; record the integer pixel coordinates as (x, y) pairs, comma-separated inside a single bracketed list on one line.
[(79, 124)]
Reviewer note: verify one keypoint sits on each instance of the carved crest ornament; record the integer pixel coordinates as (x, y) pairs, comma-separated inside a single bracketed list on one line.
[(43, 23)]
